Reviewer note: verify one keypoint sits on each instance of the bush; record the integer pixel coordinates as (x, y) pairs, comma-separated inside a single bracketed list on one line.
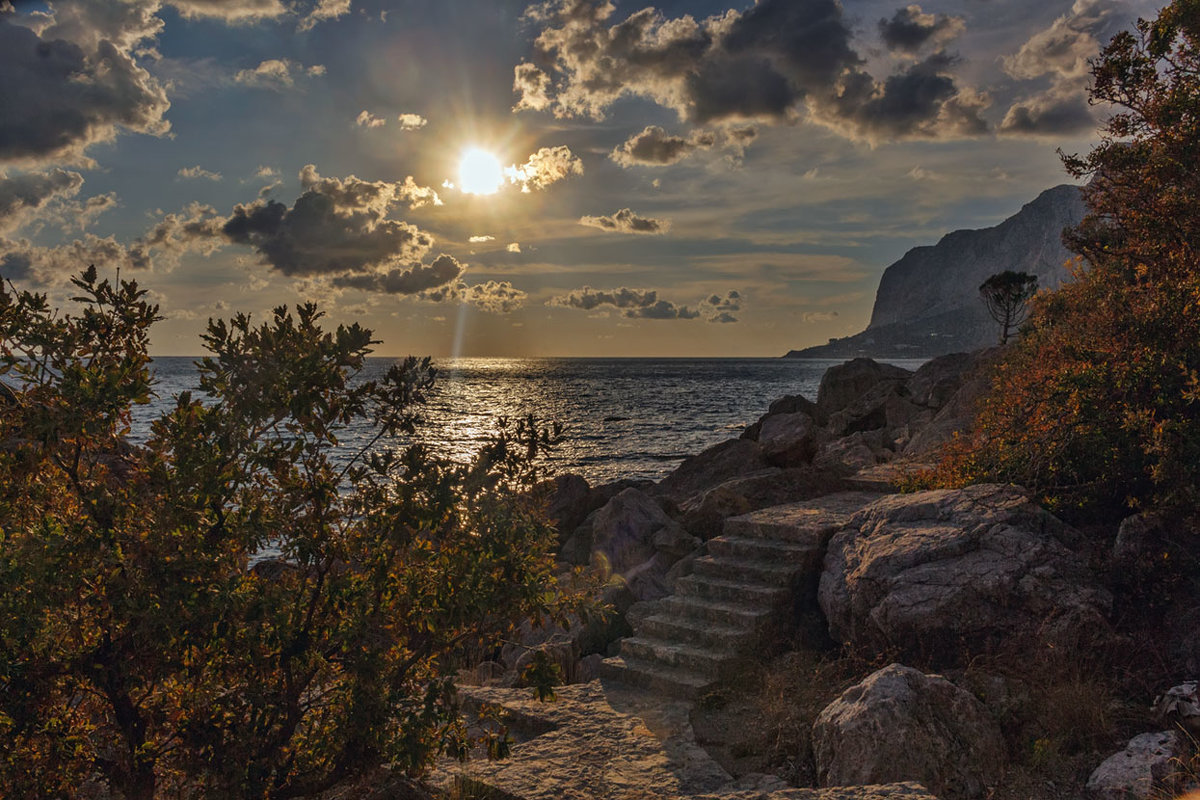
[(146, 642), (1096, 406)]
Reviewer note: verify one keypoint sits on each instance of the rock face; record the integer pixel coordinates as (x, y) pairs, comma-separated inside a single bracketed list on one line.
[(928, 301), (940, 574), (1141, 771), (902, 725), (719, 463), (844, 384)]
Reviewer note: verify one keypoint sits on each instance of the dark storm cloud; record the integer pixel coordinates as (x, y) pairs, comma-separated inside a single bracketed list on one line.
[(910, 29), (633, 303), (336, 226), (58, 97), (773, 62), (24, 193), (413, 279), (1059, 110), (655, 147), (626, 221), (920, 101)]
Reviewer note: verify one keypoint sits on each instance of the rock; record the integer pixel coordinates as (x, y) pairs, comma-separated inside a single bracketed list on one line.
[(648, 580), (788, 440), (955, 415), (788, 404), (939, 379), (623, 530), (843, 384), (568, 502), (849, 454), (674, 542), (884, 406), (729, 459), (704, 514), (589, 667), (898, 725), (942, 574), (1141, 771), (1179, 707), (1140, 538)]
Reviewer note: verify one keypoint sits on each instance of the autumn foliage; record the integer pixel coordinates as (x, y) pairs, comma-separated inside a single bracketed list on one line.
[(238, 608), (1098, 404)]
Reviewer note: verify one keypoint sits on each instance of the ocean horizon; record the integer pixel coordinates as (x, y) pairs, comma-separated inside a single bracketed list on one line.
[(622, 417)]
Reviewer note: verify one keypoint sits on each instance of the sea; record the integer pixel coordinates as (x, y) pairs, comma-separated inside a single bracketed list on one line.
[(621, 417)]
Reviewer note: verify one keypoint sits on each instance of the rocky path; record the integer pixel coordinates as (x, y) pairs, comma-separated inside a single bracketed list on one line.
[(684, 643), (628, 736)]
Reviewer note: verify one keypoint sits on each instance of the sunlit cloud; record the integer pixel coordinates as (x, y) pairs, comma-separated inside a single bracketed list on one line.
[(198, 172), (276, 74), (411, 122), (626, 221), (366, 119)]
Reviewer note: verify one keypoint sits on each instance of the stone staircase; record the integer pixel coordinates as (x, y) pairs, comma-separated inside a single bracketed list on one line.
[(753, 576)]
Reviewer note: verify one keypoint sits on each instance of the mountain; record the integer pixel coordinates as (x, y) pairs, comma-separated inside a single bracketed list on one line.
[(928, 302)]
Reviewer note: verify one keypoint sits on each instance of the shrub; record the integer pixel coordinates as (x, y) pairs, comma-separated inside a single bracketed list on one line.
[(145, 639), (1096, 406)]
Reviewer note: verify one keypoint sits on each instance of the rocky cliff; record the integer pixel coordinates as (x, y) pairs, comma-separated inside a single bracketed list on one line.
[(928, 302)]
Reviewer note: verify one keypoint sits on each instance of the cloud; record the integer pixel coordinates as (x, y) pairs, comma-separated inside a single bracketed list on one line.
[(411, 279), (229, 11), (276, 74), (23, 194), (545, 167), (626, 221), (1063, 49), (481, 239), (196, 229), (633, 303), (716, 308), (411, 122), (266, 172), (818, 316), (366, 119), (1062, 52), (61, 95), (776, 61), (513, 247), (1062, 108), (655, 147), (337, 226), (532, 87), (909, 30), (199, 172), (496, 297), (322, 11), (922, 101)]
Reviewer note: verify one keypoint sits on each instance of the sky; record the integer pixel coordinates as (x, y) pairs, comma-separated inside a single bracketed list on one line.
[(500, 178)]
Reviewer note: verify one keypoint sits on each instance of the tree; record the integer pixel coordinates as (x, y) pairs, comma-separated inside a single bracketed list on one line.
[(146, 639), (1098, 403), (1006, 294)]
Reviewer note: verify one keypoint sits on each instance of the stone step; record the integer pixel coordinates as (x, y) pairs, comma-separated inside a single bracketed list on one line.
[(657, 677), (709, 588), (763, 573), (675, 655), (810, 522), (697, 632), (715, 612), (757, 548)]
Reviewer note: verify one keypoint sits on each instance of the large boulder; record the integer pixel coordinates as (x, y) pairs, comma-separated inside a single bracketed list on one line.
[(1145, 769), (955, 414), (941, 574), (788, 404), (717, 464), (568, 502), (788, 440), (623, 530), (902, 725), (843, 384)]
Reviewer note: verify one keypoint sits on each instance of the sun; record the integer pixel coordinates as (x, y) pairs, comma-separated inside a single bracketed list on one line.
[(480, 172)]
